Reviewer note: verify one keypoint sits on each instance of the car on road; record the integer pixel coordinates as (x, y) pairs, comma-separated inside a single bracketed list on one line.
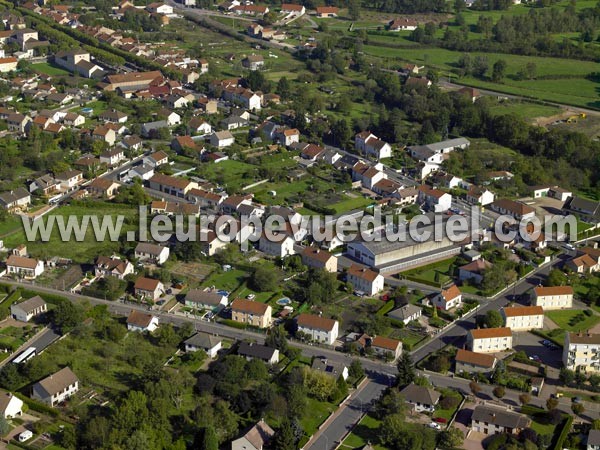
[(569, 246), (576, 400)]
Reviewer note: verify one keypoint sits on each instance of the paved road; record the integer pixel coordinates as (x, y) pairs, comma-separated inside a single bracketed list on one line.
[(349, 414), (40, 341)]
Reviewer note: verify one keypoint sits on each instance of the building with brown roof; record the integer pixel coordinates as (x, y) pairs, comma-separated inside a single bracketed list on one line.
[(448, 298), (24, 267), (581, 351), (318, 328), (583, 264), (112, 266), (467, 361), (512, 208), (553, 297), (319, 259), (131, 80), (251, 313), (327, 11), (141, 321), (523, 318), (364, 280), (148, 288), (56, 388), (489, 340), (175, 186), (256, 438), (103, 187), (387, 348)]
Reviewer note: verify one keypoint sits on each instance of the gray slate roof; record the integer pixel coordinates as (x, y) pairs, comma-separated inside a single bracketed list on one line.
[(420, 394), (500, 416), (203, 340)]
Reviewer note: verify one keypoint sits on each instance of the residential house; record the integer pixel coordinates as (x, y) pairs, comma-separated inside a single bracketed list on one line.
[(205, 199), (477, 195), (367, 175), (156, 159), (469, 92), (583, 264), (421, 398), (491, 419), (448, 298), (287, 136), (253, 62), (489, 340), (523, 318), (143, 172), (293, 9), (280, 244), (79, 62), (175, 186), (583, 208), (263, 353), (252, 313), (318, 328), (203, 341), (406, 313), (233, 123), (46, 184), (369, 144), (103, 187), (112, 157), (28, 309), (207, 300), (434, 199), (387, 348), (404, 24), (512, 208), (151, 253), (24, 267), (365, 280), (8, 64), (207, 106), (17, 122), (319, 259), (10, 405), (474, 271), (553, 297), (256, 438), (199, 126), (140, 321), (70, 179), (105, 134), (593, 440), (327, 11), (56, 388), (112, 266), (467, 361), (331, 368), (16, 200), (222, 139), (113, 116), (148, 288)]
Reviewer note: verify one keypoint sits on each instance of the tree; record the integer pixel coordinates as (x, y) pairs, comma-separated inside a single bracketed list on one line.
[(354, 9), (524, 399), (356, 371), (406, 370), (67, 438), (4, 426), (475, 388), (566, 376), (551, 404), (263, 279), (210, 440), (277, 339), (284, 88), (499, 391), (499, 70), (480, 66), (285, 438), (556, 277), (493, 319), (577, 408), (596, 424), (390, 403), (451, 438), (66, 316)]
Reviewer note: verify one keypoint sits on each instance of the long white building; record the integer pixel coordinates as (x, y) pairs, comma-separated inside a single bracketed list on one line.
[(523, 318), (553, 297), (489, 340)]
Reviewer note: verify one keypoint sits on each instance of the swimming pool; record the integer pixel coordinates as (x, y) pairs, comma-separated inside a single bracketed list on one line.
[(283, 301)]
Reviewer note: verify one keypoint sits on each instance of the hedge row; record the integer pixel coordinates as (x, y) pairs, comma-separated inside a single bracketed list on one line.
[(558, 445), (38, 406)]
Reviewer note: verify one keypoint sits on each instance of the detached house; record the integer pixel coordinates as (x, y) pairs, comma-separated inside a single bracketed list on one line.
[(365, 280), (448, 298), (319, 259), (488, 419), (16, 200), (112, 267), (477, 195), (148, 288), (112, 157), (56, 388), (10, 405), (266, 354), (28, 309), (512, 208), (222, 139), (256, 438), (253, 62), (24, 267), (434, 199), (152, 253), (489, 340), (252, 313), (318, 328), (140, 321), (207, 300), (470, 362), (421, 398), (384, 347), (203, 341)]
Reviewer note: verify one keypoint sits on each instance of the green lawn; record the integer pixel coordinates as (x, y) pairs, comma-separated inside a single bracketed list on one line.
[(447, 413), (525, 110), (349, 203), (49, 69), (367, 430), (437, 273), (573, 319), (319, 411)]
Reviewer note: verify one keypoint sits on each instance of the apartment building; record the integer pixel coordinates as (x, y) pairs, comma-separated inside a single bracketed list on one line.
[(523, 318), (489, 340), (582, 352), (553, 297)]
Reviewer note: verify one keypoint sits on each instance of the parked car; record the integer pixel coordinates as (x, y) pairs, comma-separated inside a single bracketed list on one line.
[(251, 296), (435, 426)]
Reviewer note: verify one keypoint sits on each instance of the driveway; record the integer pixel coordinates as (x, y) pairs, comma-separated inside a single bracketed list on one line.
[(531, 344)]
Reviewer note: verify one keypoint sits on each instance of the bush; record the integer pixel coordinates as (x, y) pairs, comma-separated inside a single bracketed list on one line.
[(234, 324), (566, 428), (449, 402)]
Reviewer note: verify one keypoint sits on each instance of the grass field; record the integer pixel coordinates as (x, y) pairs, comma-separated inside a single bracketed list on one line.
[(364, 432), (573, 319), (319, 412), (49, 69), (438, 273), (525, 110)]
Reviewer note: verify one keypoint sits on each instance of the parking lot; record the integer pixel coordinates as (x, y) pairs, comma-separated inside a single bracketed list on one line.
[(532, 345)]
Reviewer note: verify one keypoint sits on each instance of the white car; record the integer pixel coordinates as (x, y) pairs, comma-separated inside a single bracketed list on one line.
[(251, 296), (435, 426)]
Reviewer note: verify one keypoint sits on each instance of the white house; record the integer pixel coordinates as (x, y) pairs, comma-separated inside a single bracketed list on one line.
[(27, 310), (523, 318), (10, 405), (384, 347), (24, 267), (489, 340), (203, 341), (434, 199), (319, 328), (281, 245), (152, 253), (477, 195), (222, 139), (365, 280), (56, 388), (139, 321), (369, 144), (448, 298), (207, 300), (421, 398), (554, 297)]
